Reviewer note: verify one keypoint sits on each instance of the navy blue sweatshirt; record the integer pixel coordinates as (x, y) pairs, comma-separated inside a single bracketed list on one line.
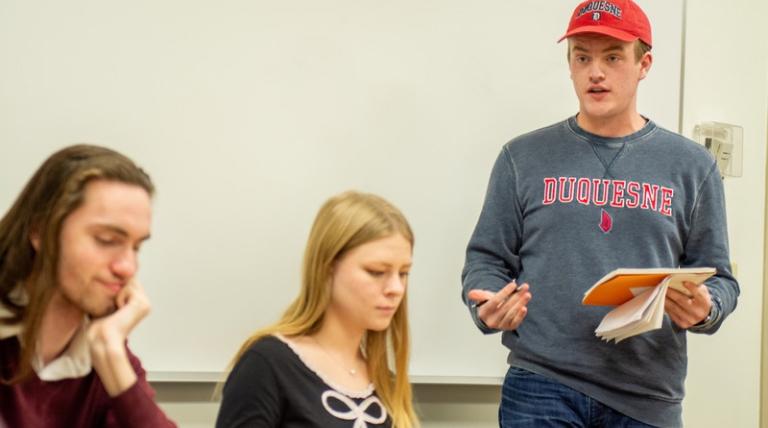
[(563, 208)]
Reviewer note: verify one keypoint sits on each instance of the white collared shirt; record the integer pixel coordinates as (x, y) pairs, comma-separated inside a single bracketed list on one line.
[(74, 362)]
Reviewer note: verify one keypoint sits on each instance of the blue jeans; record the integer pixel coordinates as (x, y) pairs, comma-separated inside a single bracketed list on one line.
[(531, 400)]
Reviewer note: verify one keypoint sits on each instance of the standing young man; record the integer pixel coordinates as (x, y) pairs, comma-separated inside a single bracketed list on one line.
[(68, 296), (565, 205)]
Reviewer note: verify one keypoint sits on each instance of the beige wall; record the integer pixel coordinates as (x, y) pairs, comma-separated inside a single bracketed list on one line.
[(726, 61), (725, 80)]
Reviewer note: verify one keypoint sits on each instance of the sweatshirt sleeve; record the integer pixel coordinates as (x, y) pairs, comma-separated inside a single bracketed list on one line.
[(136, 406), (707, 245), (492, 258)]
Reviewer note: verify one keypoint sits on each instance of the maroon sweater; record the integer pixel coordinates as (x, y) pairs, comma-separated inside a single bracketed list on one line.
[(74, 403)]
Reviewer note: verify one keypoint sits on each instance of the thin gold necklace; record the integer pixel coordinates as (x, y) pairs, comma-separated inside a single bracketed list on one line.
[(352, 371)]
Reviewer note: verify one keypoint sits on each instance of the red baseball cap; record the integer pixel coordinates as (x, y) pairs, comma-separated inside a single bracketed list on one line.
[(620, 19)]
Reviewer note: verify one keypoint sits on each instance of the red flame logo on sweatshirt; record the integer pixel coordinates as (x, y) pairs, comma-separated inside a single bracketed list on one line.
[(606, 221)]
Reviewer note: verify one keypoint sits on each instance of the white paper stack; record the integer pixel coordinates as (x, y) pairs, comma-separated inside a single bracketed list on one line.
[(645, 312)]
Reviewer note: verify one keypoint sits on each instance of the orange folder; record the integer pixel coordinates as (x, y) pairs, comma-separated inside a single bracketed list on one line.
[(621, 285)]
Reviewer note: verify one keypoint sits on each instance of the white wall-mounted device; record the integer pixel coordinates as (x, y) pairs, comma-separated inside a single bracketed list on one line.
[(724, 141)]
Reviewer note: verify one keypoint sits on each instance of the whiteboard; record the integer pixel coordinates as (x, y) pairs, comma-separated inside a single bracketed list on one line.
[(249, 114)]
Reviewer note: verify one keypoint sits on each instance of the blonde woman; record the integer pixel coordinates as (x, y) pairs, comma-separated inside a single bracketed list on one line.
[(325, 362)]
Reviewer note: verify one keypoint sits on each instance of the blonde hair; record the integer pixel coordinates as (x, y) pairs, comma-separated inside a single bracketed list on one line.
[(344, 222)]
